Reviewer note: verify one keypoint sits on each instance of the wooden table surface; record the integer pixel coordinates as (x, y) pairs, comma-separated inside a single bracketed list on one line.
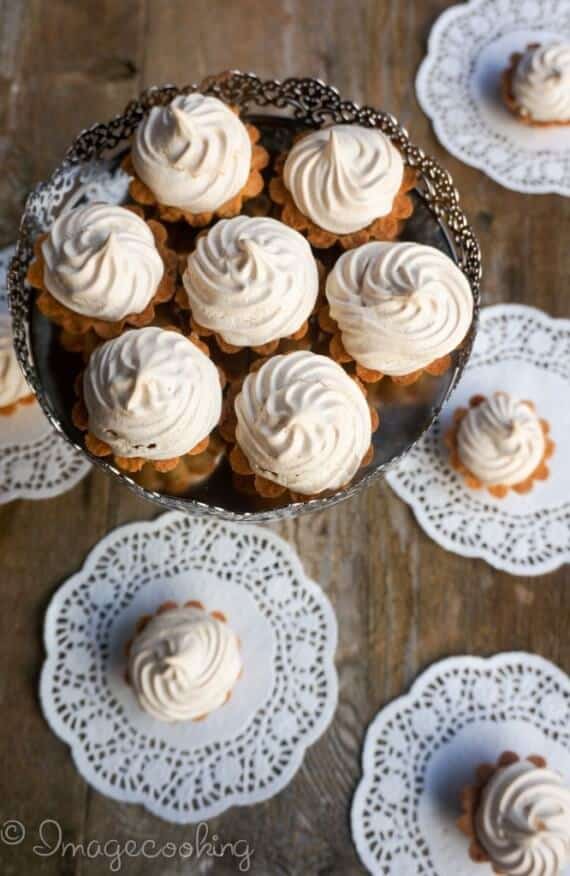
[(401, 601)]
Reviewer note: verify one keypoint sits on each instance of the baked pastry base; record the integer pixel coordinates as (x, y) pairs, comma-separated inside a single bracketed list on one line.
[(170, 606), (470, 800), (499, 491), (7, 410), (509, 98), (384, 228), (144, 196), (82, 345), (77, 324), (191, 471), (338, 352)]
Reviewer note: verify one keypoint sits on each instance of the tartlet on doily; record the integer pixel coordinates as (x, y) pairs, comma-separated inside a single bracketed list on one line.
[(183, 168), (500, 443), (535, 87), (95, 263), (396, 310), (14, 390), (250, 282), (150, 396), (344, 184), (517, 814), (183, 662), (302, 426)]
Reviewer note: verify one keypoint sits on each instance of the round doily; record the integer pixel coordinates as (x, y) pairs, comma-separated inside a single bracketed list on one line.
[(35, 463), (458, 86), (525, 352), (243, 753), (424, 747)]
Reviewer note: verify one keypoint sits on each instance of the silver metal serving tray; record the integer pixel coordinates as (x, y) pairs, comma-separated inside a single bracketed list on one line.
[(279, 109)]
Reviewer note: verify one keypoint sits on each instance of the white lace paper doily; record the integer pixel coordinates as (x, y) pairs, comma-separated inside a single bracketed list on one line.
[(249, 749), (424, 747), (458, 87), (525, 352), (35, 462)]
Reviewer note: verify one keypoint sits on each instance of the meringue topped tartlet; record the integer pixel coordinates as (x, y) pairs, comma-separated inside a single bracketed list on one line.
[(251, 282), (517, 816), (303, 425), (195, 159), (343, 184), (101, 268), (14, 390), (500, 443), (151, 395), (397, 310), (536, 85), (183, 662)]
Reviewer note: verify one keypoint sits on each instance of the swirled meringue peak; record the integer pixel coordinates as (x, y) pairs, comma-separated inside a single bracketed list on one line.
[(151, 393), (399, 306), (541, 83), (251, 280), (501, 440), (302, 422), (194, 154), (13, 386), (183, 664), (343, 177), (523, 821), (101, 261)]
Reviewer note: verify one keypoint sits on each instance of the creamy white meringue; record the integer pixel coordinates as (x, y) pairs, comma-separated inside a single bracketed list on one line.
[(13, 386), (523, 821), (343, 177), (183, 664), (399, 306), (251, 280), (194, 154), (101, 261), (151, 393), (501, 441), (541, 83), (302, 422)]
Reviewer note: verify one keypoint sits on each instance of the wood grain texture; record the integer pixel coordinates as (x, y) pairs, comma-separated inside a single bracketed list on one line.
[(401, 601)]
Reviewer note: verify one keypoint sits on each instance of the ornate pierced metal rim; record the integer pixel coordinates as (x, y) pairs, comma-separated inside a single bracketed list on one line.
[(309, 101)]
